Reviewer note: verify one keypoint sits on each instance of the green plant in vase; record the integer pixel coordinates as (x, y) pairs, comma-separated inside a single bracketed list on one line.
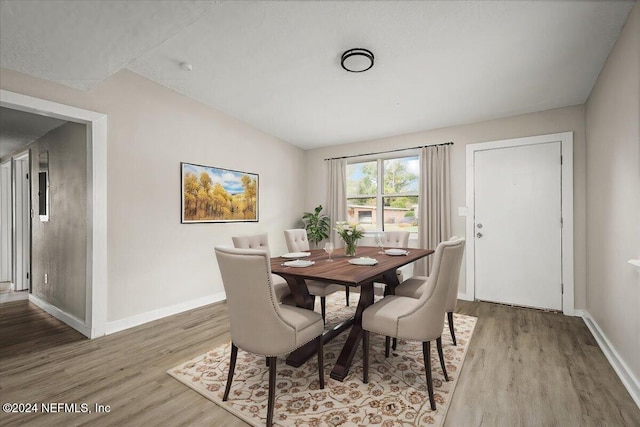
[(350, 234), (317, 225)]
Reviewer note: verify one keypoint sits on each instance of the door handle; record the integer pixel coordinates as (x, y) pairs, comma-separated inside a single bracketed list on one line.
[(479, 235)]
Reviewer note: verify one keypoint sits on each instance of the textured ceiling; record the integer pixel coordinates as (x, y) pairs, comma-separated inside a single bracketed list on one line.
[(79, 43), (276, 65)]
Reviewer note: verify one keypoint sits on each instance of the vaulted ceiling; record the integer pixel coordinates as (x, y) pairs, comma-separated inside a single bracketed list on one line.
[(276, 65)]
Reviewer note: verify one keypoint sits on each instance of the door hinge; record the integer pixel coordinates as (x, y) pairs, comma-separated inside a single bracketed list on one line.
[(562, 288), (561, 222), (27, 275), (27, 177), (561, 160)]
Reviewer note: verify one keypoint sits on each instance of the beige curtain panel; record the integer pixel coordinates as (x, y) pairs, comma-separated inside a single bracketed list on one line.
[(337, 196), (434, 209)]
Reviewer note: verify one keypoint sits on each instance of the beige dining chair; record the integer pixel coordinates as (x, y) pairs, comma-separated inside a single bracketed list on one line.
[(261, 241), (396, 239), (297, 242), (416, 319), (414, 288), (258, 323)]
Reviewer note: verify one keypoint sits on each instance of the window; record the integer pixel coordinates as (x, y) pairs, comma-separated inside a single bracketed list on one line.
[(382, 194)]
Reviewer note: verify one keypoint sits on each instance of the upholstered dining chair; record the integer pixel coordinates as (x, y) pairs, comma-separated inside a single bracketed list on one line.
[(414, 288), (261, 241), (258, 323), (416, 319), (297, 242), (398, 239)]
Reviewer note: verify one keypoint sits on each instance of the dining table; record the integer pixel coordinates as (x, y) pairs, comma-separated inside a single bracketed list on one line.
[(352, 271)]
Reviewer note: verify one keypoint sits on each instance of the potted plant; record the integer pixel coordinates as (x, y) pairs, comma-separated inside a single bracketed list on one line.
[(317, 225)]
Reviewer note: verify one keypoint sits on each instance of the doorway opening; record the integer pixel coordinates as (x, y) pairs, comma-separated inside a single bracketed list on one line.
[(94, 323), (22, 222)]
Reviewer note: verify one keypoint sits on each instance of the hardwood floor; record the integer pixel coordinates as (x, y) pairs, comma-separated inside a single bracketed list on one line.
[(527, 367), (524, 367)]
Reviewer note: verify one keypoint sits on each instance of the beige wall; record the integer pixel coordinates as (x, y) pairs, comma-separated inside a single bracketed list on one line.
[(545, 122), (154, 261), (59, 246), (613, 195)]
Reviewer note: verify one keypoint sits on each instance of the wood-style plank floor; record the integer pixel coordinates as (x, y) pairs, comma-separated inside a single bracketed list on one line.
[(524, 368)]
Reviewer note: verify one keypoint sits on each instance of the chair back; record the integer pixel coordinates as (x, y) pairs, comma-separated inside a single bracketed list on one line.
[(253, 241), (396, 239), (296, 239), (254, 313), (452, 297), (426, 320)]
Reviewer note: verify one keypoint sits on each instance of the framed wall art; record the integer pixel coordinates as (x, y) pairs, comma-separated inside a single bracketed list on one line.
[(211, 194)]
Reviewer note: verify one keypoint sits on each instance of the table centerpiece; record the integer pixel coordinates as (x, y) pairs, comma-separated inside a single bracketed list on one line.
[(350, 234)]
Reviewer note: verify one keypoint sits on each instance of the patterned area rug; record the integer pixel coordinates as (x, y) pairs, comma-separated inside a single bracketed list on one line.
[(395, 396)]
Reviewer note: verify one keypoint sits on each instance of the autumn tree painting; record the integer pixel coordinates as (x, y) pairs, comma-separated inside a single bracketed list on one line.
[(214, 195)]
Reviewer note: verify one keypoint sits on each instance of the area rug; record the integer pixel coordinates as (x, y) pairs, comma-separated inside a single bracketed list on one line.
[(396, 394)]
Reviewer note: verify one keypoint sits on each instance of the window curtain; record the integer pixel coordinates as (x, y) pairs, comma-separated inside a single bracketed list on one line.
[(337, 196), (434, 211)]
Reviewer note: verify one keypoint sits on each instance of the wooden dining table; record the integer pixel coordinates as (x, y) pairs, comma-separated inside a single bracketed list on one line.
[(340, 271)]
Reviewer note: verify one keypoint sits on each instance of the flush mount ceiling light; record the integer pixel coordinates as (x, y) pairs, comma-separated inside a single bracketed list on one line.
[(357, 60)]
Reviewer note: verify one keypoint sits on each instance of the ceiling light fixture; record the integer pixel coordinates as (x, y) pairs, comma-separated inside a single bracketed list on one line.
[(186, 66), (357, 60)]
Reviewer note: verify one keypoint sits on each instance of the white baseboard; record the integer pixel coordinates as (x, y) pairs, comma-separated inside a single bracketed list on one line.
[(13, 296), (626, 376), (130, 322), (64, 317), (465, 297)]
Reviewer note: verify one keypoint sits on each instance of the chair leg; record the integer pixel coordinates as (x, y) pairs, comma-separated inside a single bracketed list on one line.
[(451, 329), (346, 289), (426, 354), (321, 360), (272, 390), (441, 356), (395, 343), (387, 343), (365, 357), (323, 308), (232, 367)]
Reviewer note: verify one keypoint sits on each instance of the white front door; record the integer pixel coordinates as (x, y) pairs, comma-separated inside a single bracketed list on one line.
[(22, 217), (518, 225)]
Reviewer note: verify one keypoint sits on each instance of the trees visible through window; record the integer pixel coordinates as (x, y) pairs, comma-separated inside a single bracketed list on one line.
[(382, 195)]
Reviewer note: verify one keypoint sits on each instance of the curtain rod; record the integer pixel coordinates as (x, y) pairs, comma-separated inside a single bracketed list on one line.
[(389, 151)]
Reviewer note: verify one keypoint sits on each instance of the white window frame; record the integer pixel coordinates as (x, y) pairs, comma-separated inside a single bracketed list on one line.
[(379, 196)]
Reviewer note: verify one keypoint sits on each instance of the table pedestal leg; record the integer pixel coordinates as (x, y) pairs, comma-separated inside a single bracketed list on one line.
[(301, 295), (391, 280), (303, 299), (307, 351), (341, 369)]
